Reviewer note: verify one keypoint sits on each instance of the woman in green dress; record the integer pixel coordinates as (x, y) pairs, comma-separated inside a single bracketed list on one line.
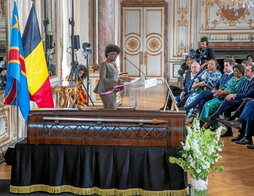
[(232, 86)]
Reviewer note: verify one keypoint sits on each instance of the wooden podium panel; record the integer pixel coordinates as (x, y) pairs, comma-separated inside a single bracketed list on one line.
[(106, 127)]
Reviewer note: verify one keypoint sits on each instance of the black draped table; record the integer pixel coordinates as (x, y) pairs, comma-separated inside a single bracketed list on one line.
[(102, 170)]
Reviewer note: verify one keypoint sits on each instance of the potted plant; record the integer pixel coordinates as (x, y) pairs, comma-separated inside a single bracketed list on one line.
[(198, 156)]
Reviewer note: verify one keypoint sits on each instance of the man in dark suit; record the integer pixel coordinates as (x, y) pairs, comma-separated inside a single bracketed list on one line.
[(190, 76), (246, 125)]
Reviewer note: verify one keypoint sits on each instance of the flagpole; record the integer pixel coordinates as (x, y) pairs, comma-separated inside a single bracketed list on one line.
[(17, 111), (72, 23), (45, 23)]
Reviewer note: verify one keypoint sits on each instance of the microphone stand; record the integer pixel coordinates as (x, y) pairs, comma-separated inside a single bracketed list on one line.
[(46, 23), (73, 72), (72, 23), (135, 67)]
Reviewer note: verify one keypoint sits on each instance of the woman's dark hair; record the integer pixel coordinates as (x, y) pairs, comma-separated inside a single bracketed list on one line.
[(204, 39), (240, 68), (244, 62), (216, 63), (249, 56), (82, 67), (112, 48)]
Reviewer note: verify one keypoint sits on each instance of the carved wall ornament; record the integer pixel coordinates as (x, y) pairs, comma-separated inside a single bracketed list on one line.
[(231, 16), (133, 44), (3, 126), (182, 12), (181, 49), (219, 17), (215, 23), (153, 44), (4, 133), (250, 22), (235, 4), (208, 3)]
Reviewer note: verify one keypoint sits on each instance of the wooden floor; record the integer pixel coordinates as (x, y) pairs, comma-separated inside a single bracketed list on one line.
[(238, 176)]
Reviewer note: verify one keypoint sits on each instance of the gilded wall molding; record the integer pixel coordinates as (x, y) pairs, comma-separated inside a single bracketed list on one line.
[(182, 25), (4, 133), (182, 12), (218, 18), (181, 49), (232, 17)]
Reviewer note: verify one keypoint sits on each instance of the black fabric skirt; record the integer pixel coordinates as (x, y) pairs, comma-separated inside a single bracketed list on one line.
[(103, 170)]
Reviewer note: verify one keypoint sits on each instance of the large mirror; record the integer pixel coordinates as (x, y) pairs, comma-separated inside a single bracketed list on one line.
[(3, 46)]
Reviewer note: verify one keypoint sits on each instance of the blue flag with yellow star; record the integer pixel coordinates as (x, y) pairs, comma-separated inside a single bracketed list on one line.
[(16, 92)]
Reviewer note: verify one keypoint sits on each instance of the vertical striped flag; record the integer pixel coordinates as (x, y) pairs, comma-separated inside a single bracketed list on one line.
[(16, 92), (36, 66)]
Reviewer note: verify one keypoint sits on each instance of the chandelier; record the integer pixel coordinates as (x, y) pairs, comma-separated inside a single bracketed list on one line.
[(236, 4)]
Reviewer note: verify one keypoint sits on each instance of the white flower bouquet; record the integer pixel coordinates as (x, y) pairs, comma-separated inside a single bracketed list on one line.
[(199, 153)]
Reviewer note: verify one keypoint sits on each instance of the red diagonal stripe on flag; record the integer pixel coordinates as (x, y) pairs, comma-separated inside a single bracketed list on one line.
[(14, 56), (12, 94)]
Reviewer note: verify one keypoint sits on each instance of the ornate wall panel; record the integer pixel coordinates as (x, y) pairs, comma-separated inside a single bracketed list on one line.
[(227, 30), (182, 27), (6, 129), (4, 125), (133, 38), (154, 42), (226, 24), (143, 40), (218, 18), (3, 30), (180, 33)]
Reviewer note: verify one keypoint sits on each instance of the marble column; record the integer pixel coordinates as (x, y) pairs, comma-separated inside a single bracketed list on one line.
[(106, 26)]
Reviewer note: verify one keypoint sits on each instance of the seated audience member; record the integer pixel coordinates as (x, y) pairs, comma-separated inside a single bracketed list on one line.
[(176, 90), (232, 86), (206, 80), (249, 59), (238, 111), (205, 53), (207, 95), (185, 68), (195, 69), (245, 124), (233, 100), (3, 64), (244, 63)]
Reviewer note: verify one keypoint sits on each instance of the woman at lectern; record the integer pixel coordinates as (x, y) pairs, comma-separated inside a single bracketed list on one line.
[(109, 79)]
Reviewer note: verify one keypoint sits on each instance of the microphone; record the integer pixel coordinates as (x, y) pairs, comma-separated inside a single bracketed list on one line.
[(135, 67)]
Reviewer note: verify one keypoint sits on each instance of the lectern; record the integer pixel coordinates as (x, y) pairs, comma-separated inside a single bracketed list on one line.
[(134, 91)]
